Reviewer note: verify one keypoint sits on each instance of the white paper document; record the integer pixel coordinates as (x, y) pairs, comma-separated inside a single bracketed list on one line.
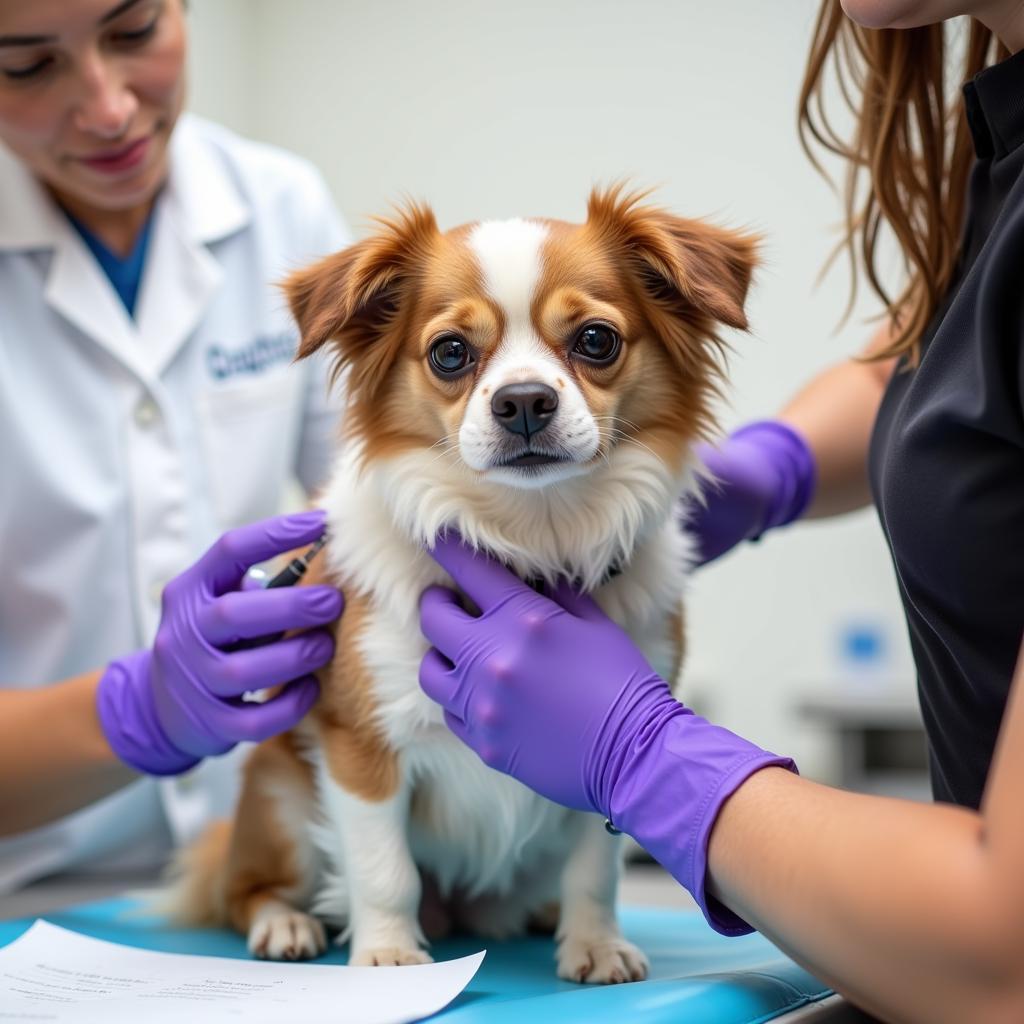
[(51, 974)]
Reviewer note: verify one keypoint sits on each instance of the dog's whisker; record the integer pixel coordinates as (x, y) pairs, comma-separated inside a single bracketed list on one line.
[(626, 437), (443, 453)]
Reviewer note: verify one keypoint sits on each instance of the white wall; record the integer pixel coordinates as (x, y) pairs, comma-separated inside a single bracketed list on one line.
[(222, 67), (492, 109)]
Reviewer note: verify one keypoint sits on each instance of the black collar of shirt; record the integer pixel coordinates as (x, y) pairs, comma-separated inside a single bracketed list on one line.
[(995, 107)]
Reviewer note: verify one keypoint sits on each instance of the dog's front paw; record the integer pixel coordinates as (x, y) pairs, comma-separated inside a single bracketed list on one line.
[(600, 960), (281, 933), (388, 957)]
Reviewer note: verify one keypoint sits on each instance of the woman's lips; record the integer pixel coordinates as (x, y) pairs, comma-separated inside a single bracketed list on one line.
[(116, 161)]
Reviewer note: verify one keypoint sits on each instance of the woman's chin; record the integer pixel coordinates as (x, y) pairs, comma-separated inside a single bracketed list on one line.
[(83, 192), (879, 14)]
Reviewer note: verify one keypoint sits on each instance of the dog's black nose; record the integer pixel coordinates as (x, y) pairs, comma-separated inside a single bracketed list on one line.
[(524, 409)]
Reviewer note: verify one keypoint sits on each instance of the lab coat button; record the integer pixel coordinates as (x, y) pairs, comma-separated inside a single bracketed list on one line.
[(146, 413)]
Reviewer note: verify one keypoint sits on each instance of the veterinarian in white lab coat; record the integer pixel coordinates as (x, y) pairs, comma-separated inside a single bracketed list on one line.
[(147, 404)]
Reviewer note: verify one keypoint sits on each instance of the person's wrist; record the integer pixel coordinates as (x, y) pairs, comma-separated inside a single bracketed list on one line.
[(668, 789), (128, 718), (642, 710), (793, 464)]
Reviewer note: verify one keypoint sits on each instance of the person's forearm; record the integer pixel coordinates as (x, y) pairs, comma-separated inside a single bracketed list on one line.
[(892, 903), (161, 710), (54, 757), (835, 414)]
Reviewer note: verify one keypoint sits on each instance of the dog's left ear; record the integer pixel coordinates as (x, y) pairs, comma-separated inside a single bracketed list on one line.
[(701, 272)]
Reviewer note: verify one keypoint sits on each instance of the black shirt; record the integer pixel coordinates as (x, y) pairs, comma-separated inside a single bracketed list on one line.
[(947, 460)]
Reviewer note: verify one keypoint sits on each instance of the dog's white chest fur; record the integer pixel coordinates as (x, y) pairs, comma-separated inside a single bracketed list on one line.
[(475, 829)]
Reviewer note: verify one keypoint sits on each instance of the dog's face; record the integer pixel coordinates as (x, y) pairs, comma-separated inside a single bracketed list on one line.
[(529, 350)]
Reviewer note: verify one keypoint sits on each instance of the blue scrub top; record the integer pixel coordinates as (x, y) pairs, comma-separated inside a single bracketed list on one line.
[(123, 272)]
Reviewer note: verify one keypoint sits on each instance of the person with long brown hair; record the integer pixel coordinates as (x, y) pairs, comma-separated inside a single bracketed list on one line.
[(914, 911)]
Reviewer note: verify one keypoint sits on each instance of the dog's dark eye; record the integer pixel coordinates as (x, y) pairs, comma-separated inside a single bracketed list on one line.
[(598, 342), (450, 355)]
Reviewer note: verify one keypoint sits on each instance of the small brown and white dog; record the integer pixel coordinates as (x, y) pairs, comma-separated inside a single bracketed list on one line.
[(539, 386)]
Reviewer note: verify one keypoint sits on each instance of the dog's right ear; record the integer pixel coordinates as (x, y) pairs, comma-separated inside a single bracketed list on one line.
[(352, 297)]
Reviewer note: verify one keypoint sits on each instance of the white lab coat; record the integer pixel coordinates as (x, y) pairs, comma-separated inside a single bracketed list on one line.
[(127, 447)]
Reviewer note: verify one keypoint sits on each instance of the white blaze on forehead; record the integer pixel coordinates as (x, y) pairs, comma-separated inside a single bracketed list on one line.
[(509, 255)]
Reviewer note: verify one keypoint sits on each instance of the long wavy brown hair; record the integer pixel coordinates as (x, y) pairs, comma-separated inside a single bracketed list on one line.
[(911, 143)]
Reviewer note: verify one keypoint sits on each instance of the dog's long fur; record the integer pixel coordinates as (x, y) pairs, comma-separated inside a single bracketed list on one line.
[(344, 817)]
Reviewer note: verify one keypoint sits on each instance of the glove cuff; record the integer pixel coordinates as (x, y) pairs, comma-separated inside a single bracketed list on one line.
[(129, 721), (669, 789), (793, 461)]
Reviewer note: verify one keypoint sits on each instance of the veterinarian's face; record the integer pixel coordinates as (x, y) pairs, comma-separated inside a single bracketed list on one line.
[(89, 93)]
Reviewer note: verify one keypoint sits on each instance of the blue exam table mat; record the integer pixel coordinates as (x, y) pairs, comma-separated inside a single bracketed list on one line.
[(697, 976)]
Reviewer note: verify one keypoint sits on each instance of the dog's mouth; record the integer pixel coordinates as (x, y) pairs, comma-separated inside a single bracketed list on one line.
[(531, 458)]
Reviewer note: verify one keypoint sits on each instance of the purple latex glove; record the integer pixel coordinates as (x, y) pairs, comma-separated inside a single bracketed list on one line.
[(552, 692), (164, 709), (764, 477)]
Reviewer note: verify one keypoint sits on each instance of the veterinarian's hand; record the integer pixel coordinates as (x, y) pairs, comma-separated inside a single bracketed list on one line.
[(552, 692), (764, 477), (164, 709), (545, 690)]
